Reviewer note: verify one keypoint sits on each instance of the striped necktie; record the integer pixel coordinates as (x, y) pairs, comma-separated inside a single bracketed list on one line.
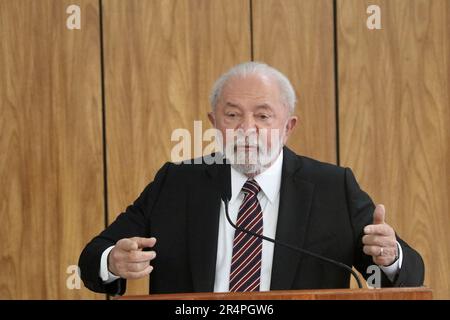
[(246, 260)]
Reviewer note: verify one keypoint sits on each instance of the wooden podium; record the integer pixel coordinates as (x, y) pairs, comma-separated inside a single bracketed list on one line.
[(420, 293)]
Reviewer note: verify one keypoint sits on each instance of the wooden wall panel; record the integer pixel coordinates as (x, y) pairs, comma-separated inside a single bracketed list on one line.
[(296, 36), (51, 190), (161, 58), (394, 119)]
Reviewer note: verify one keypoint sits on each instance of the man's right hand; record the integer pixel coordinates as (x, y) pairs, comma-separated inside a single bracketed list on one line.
[(128, 261)]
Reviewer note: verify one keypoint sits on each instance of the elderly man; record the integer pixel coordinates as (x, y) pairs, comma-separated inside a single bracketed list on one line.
[(179, 218)]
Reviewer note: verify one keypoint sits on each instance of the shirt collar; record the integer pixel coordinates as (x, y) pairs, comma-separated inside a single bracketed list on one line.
[(269, 180)]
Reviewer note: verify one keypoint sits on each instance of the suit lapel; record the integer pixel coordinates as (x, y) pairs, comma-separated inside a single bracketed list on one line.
[(293, 214), (203, 226)]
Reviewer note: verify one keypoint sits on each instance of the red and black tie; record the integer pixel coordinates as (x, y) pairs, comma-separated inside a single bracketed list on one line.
[(246, 261)]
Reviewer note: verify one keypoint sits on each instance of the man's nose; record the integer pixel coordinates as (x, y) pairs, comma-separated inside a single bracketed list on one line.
[(248, 124)]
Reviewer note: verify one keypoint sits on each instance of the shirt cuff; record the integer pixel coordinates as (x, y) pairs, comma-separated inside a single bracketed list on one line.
[(104, 273), (392, 270)]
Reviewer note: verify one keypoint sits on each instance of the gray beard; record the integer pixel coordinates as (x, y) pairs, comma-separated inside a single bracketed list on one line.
[(258, 165)]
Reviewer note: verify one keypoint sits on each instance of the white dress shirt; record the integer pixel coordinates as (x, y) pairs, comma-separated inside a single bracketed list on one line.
[(269, 199)]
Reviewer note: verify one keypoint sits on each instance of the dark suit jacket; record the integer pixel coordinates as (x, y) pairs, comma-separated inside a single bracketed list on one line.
[(322, 209)]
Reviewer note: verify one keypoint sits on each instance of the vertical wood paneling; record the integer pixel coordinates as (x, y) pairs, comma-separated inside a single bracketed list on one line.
[(394, 119), (51, 191), (296, 36), (161, 58)]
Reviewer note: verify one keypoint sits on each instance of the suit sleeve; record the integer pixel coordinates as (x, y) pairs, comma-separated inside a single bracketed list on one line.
[(360, 208), (134, 222)]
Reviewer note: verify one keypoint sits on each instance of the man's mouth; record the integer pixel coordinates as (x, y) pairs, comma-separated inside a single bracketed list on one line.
[(246, 147)]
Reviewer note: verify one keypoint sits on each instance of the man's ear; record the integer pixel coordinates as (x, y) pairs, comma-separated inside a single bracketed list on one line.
[(290, 124), (212, 118)]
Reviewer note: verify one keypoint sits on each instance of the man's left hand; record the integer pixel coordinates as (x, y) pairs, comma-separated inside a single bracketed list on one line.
[(379, 239)]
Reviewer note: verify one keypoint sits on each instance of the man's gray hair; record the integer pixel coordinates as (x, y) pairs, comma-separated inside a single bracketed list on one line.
[(250, 68)]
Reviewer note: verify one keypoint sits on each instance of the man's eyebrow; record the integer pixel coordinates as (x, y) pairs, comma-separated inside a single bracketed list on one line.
[(231, 104), (264, 105)]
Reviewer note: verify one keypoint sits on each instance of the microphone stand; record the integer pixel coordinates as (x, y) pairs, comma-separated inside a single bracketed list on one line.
[(340, 264)]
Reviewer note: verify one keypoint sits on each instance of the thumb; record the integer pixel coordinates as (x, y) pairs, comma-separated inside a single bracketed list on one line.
[(379, 214)]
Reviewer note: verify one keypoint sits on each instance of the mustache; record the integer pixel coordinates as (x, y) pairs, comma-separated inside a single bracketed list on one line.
[(246, 145), (245, 140), (258, 145), (242, 141)]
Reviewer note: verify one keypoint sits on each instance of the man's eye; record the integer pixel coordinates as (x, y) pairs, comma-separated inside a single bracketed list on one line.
[(263, 116), (231, 115)]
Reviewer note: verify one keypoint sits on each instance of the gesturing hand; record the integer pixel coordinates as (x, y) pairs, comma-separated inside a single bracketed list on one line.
[(128, 261), (379, 239)]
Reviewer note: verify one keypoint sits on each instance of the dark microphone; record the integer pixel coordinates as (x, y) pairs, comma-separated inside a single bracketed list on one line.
[(225, 182)]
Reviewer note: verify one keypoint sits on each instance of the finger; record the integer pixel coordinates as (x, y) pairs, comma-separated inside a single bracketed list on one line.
[(372, 240), (127, 244), (144, 242), (375, 251), (138, 275), (141, 256), (137, 267), (387, 258), (379, 229), (379, 214), (382, 260), (376, 240), (372, 250)]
